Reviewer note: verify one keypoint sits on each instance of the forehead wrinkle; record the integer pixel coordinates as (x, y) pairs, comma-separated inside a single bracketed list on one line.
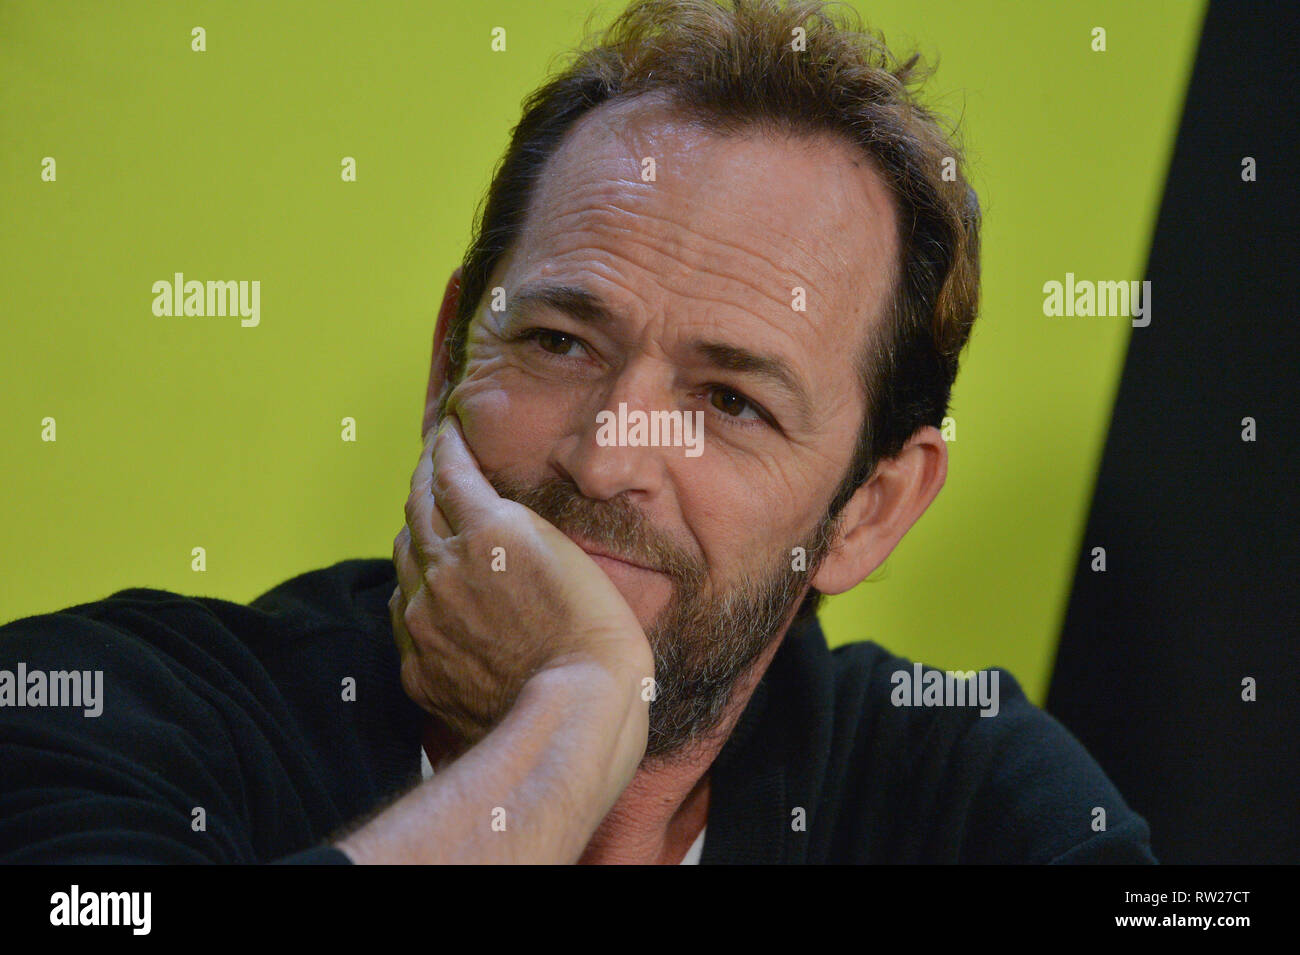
[(689, 268), (651, 124), (598, 216)]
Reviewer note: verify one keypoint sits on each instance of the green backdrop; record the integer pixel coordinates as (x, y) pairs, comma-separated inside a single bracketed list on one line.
[(225, 164)]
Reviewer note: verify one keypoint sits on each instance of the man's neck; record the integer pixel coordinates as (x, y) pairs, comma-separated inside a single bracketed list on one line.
[(664, 808)]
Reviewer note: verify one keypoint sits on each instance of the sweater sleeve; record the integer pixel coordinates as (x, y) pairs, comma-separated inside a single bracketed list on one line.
[(157, 776)]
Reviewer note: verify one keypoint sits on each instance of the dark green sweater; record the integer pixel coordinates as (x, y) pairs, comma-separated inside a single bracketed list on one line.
[(241, 711)]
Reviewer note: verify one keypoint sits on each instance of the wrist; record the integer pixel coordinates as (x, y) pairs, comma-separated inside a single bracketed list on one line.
[(603, 698)]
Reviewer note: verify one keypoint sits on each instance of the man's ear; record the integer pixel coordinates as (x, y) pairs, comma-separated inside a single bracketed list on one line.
[(882, 510), (440, 363)]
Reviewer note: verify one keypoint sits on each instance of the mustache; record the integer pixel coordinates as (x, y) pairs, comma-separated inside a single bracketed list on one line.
[(616, 525)]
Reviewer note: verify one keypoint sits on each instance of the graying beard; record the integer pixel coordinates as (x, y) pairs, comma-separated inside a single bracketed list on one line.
[(695, 688)]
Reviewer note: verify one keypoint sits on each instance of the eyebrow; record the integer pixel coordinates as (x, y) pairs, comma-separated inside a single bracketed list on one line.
[(585, 306), (775, 369), (576, 302)]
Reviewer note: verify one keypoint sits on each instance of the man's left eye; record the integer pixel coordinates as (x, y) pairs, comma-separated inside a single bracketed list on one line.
[(732, 404)]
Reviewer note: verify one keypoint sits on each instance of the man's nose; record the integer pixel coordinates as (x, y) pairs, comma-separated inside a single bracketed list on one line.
[(596, 455)]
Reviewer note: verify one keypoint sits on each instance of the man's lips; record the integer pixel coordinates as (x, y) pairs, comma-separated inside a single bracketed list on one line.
[(594, 551)]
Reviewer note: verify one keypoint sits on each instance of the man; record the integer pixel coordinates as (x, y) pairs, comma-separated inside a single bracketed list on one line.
[(686, 380)]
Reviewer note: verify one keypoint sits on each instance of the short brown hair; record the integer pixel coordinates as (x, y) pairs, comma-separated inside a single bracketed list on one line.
[(734, 66)]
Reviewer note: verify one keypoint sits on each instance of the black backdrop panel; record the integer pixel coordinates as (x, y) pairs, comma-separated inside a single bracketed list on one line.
[(1199, 526)]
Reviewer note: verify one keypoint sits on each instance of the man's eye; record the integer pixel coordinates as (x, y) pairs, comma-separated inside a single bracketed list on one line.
[(732, 404), (557, 343)]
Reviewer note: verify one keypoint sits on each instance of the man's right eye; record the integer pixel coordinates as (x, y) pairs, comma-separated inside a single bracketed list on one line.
[(557, 343)]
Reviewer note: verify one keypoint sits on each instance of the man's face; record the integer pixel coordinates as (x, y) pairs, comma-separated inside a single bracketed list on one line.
[(740, 283)]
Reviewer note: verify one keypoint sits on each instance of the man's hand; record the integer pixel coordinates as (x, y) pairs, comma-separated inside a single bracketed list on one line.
[(490, 594), (537, 663)]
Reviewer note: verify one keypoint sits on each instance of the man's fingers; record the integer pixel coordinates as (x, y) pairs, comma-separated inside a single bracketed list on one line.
[(427, 522), (464, 494), (423, 473), (396, 611), (410, 573)]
